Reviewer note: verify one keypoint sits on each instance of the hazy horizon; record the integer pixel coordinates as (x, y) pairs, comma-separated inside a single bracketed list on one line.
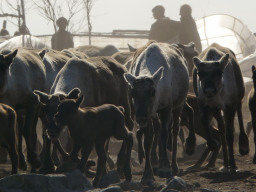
[(137, 15)]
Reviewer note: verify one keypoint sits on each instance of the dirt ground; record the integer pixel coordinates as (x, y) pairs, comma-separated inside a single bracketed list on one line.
[(245, 180)]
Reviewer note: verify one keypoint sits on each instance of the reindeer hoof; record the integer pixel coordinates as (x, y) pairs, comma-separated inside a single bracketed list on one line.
[(210, 165), (243, 144), (34, 161), (47, 170), (190, 145), (22, 164), (128, 174), (165, 173), (234, 170), (193, 168), (148, 182), (224, 169)]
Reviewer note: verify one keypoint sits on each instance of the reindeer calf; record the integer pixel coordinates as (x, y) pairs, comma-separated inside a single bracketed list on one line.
[(8, 134), (91, 126)]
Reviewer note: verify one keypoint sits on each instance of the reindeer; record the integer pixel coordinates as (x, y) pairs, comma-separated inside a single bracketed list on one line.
[(252, 107), (9, 134), (159, 84), (219, 87), (93, 126)]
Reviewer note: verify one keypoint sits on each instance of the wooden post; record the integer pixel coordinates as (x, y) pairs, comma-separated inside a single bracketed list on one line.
[(23, 12)]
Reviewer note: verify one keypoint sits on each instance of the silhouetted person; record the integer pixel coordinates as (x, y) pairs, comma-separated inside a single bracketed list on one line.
[(188, 29), (23, 30), (4, 31), (163, 29), (62, 39)]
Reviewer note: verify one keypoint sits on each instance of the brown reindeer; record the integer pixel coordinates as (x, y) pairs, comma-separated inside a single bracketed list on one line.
[(122, 56), (8, 134), (219, 87), (93, 51), (23, 71), (252, 107), (91, 126)]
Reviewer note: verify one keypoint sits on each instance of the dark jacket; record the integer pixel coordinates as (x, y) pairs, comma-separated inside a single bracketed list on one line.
[(164, 30), (4, 32), (188, 33), (62, 40)]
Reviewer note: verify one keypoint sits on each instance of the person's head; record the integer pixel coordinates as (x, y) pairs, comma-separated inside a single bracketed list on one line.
[(62, 23), (158, 12), (4, 24), (23, 29), (185, 10)]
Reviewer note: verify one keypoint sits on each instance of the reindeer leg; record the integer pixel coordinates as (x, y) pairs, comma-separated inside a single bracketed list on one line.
[(164, 170), (86, 150), (57, 145), (48, 165), (190, 144), (154, 155), (222, 131), (243, 138), (141, 153), (205, 114), (254, 131), (102, 158), (148, 177), (31, 137), (176, 126), (12, 150), (22, 161)]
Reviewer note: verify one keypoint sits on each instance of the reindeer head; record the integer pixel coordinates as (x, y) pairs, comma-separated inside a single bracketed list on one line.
[(143, 91), (210, 75)]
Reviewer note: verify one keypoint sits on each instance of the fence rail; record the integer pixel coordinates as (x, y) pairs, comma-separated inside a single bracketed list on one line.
[(119, 38)]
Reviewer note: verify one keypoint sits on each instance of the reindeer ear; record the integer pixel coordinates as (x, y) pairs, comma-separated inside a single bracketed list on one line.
[(192, 44), (79, 100), (62, 97), (42, 54), (224, 61), (43, 98), (131, 48), (9, 58), (197, 62), (129, 78), (158, 75), (74, 93), (253, 68), (180, 45)]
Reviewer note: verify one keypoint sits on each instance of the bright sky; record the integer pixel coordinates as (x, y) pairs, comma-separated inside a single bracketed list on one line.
[(136, 14)]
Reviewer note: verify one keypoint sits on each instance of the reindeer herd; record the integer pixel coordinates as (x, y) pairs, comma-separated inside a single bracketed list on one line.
[(100, 94)]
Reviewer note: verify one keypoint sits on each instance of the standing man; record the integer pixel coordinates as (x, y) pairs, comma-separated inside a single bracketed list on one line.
[(62, 39), (163, 29), (188, 29)]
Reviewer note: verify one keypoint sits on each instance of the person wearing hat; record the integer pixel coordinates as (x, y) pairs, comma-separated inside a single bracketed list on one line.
[(62, 39), (188, 29), (163, 29), (4, 31)]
